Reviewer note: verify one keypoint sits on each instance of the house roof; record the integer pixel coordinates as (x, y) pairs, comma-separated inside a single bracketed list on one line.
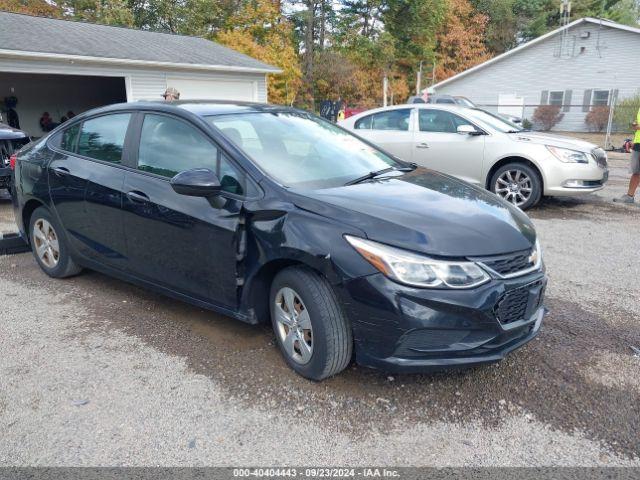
[(598, 21), (40, 37)]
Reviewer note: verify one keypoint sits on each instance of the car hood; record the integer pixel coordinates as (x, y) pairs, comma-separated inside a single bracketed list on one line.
[(428, 212), (9, 133), (554, 141)]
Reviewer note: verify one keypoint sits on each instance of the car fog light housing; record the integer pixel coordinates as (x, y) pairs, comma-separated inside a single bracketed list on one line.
[(418, 270), (580, 183)]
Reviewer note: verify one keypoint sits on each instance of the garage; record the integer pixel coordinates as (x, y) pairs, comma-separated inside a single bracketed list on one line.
[(51, 69)]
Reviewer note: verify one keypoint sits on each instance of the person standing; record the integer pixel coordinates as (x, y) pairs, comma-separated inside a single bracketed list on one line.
[(629, 197)]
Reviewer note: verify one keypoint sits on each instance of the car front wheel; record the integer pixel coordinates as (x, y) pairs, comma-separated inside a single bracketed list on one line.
[(518, 184), (49, 245), (311, 329)]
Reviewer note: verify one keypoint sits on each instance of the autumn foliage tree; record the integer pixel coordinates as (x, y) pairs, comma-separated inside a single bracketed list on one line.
[(260, 31), (31, 7), (460, 40)]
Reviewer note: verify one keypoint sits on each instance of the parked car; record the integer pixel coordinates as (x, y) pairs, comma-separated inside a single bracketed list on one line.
[(486, 150), (510, 118), (446, 99), (270, 214), (11, 140)]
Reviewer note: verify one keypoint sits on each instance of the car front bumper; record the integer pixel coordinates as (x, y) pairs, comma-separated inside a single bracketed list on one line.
[(408, 330), (563, 179)]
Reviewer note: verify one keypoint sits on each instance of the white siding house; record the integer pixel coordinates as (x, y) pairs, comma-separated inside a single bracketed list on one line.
[(586, 63), (57, 66)]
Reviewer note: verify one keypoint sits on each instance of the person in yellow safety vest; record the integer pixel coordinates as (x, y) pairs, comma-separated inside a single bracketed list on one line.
[(634, 168)]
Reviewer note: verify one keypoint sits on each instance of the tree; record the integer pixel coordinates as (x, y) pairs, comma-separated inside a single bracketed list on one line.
[(502, 28), (108, 12), (259, 30), (460, 43), (31, 7)]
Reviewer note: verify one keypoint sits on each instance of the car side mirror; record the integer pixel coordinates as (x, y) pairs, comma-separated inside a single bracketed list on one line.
[(199, 182), (468, 130)]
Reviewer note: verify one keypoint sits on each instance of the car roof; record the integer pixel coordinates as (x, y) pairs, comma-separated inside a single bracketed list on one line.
[(197, 107), (435, 106)]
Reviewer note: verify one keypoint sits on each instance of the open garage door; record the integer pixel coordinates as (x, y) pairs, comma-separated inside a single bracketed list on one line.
[(209, 89), (57, 95)]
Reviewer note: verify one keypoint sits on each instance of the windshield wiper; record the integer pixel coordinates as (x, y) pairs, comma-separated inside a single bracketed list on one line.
[(370, 175)]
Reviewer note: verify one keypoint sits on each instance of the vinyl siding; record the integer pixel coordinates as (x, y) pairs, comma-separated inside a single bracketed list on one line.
[(610, 60)]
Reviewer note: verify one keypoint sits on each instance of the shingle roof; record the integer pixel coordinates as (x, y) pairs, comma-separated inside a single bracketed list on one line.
[(29, 34)]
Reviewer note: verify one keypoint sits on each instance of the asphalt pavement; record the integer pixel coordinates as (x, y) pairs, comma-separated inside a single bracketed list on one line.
[(94, 371)]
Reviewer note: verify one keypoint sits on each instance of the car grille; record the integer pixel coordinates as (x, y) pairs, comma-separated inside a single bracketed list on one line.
[(600, 156), (508, 264), (514, 304)]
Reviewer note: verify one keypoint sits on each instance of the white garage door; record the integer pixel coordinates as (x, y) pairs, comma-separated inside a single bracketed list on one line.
[(207, 89)]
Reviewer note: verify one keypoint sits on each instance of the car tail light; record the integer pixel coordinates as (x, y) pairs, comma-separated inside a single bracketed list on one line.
[(12, 161)]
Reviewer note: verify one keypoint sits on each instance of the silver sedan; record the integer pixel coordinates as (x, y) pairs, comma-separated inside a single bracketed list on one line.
[(484, 149)]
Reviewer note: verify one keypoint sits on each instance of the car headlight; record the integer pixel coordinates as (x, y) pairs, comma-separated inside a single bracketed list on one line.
[(568, 156), (418, 270)]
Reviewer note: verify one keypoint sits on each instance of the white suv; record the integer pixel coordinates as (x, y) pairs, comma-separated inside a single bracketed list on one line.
[(484, 149)]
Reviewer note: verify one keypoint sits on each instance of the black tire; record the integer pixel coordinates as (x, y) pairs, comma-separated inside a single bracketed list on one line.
[(332, 334), (531, 173), (65, 266)]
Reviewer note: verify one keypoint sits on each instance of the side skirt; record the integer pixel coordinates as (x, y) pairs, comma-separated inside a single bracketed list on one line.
[(112, 272)]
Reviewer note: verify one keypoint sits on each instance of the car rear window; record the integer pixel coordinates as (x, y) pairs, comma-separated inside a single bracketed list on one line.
[(103, 137)]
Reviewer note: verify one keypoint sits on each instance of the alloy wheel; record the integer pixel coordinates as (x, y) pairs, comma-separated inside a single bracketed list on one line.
[(293, 325), (46, 243), (515, 186)]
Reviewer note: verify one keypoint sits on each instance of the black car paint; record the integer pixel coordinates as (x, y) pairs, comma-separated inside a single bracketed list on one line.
[(222, 252)]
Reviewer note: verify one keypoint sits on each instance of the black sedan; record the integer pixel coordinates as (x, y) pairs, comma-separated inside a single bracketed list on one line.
[(268, 213)]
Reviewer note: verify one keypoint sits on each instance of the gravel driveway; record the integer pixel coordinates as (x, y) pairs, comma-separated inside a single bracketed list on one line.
[(94, 371)]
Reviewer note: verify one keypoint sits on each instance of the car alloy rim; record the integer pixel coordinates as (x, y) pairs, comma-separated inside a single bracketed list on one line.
[(514, 186), (293, 325), (46, 243)]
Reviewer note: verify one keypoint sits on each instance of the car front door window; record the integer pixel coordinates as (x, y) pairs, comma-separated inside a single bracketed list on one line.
[(169, 146), (440, 147)]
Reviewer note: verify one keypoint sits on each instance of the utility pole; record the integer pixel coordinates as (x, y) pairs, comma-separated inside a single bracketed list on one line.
[(419, 79), (385, 87)]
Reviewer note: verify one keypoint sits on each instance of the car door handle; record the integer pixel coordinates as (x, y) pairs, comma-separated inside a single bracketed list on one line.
[(61, 171), (137, 197), (422, 145)]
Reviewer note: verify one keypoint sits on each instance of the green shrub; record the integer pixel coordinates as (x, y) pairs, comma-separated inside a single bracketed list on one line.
[(625, 113)]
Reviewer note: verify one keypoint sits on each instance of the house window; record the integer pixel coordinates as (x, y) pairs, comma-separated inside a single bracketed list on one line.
[(556, 98), (600, 98)]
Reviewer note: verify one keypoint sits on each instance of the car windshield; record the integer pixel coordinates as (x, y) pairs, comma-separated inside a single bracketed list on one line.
[(497, 123), (302, 151)]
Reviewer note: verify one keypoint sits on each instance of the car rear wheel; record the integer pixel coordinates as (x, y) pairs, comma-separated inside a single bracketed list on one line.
[(311, 329), (518, 184), (49, 245)]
